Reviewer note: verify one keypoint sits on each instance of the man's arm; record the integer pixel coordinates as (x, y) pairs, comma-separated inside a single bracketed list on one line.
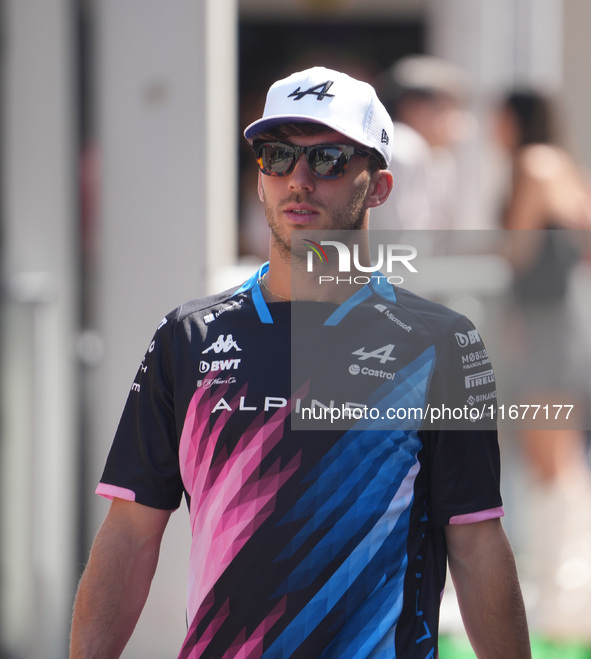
[(115, 584), (483, 570)]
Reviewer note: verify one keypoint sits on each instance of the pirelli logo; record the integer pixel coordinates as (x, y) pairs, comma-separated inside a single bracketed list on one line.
[(479, 379)]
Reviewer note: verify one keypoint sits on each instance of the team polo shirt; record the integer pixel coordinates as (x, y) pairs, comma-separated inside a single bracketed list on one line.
[(311, 538)]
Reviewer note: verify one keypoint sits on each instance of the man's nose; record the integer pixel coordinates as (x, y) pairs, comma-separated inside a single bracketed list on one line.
[(301, 176)]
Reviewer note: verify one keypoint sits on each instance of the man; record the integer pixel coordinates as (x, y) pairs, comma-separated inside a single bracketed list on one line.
[(306, 543)]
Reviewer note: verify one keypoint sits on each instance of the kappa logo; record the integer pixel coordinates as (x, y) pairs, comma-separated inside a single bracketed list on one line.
[(320, 91), (383, 354), (222, 344)]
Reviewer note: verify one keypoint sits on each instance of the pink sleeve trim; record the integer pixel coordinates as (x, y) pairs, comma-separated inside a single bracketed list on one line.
[(112, 492), (480, 516)]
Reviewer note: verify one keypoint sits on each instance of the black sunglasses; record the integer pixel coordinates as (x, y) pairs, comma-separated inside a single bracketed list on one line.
[(325, 160)]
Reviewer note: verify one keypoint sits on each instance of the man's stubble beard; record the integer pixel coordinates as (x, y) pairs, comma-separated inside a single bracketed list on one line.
[(350, 218)]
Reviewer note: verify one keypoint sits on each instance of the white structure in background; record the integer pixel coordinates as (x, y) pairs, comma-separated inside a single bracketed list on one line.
[(166, 117), (39, 401), (166, 114)]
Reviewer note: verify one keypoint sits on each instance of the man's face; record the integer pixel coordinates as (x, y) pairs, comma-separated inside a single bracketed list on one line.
[(302, 201)]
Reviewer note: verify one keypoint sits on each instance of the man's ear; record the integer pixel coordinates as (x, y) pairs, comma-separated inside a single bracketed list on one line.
[(260, 188), (382, 182)]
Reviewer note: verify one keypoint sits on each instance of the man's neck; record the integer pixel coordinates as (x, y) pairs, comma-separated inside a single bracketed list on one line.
[(289, 278)]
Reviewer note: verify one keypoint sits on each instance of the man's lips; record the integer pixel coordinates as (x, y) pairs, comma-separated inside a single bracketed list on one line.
[(300, 213)]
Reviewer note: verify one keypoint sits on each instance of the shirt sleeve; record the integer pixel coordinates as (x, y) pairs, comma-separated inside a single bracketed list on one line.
[(143, 464), (461, 444)]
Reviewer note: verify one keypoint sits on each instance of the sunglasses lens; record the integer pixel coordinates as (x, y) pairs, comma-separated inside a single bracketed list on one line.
[(275, 159), (328, 161), (325, 160)]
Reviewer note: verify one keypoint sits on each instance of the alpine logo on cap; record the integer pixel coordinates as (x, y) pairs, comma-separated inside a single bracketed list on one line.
[(320, 91), (385, 139)]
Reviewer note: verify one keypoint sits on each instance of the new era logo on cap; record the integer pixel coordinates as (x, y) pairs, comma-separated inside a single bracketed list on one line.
[(334, 99)]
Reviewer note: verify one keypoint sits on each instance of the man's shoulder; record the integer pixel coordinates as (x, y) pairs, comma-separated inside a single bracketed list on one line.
[(438, 319), (238, 297), (192, 320), (202, 305)]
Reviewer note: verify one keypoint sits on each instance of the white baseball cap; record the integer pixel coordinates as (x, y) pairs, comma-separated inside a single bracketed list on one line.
[(331, 98)]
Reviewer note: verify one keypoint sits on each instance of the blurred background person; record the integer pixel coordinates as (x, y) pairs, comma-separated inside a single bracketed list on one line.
[(427, 99), (547, 192), (546, 200)]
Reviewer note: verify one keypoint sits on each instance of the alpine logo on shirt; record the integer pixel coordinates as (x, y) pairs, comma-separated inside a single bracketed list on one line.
[(383, 355)]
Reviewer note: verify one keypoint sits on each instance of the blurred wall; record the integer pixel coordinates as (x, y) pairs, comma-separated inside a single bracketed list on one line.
[(165, 118), (157, 172), (576, 91), (38, 328)]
